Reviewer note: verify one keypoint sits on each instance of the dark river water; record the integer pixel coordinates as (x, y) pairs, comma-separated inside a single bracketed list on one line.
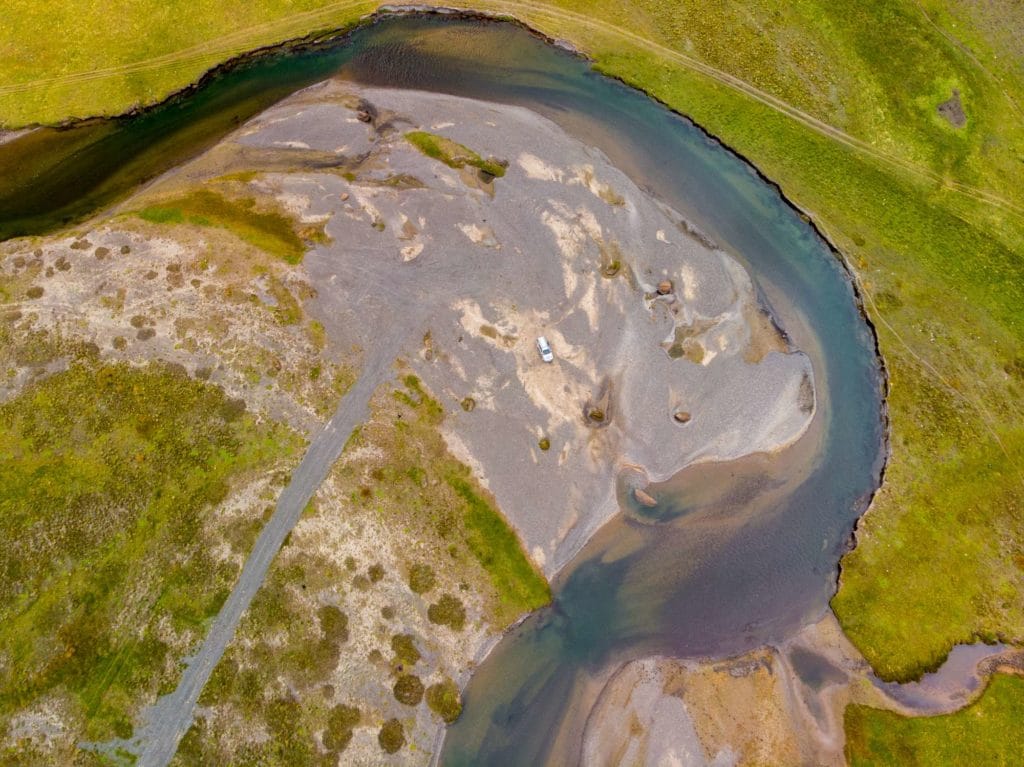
[(736, 555)]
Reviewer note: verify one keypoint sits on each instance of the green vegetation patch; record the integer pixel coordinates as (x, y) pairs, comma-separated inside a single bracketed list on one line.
[(391, 736), (444, 700), (404, 648), (496, 546), (452, 153), (448, 611), (985, 732), (408, 690), (271, 231), (422, 578), (340, 722), (455, 509), (107, 473)]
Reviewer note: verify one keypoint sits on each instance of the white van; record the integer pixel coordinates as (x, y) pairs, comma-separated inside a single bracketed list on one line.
[(545, 349)]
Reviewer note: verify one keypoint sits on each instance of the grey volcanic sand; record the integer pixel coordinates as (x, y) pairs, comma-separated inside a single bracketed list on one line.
[(486, 268)]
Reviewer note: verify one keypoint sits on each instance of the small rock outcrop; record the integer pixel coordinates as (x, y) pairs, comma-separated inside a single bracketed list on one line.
[(644, 498)]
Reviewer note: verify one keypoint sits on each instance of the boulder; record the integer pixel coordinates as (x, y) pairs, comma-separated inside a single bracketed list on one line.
[(644, 498)]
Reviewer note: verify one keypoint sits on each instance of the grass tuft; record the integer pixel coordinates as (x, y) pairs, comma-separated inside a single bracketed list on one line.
[(452, 154)]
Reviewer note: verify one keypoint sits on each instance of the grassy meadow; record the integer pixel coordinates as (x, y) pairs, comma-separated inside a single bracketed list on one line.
[(108, 575), (976, 734)]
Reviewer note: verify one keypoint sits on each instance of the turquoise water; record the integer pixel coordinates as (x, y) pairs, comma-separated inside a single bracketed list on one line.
[(736, 555)]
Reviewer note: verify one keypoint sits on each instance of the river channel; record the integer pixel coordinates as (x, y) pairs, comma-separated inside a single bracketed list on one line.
[(736, 555)]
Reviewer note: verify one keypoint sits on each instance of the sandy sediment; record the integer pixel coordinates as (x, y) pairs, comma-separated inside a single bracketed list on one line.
[(563, 245), (774, 705)]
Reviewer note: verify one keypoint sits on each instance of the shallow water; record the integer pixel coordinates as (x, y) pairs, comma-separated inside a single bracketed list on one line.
[(736, 555), (951, 686)]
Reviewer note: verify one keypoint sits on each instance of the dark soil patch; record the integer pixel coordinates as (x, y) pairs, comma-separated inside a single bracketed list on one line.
[(952, 109)]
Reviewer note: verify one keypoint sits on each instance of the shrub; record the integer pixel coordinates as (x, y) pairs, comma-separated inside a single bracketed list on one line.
[(391, 736), (334, 623), (404, 647), (408, 690), (448, 611), (444, 700), (421, 578), (340, 722)]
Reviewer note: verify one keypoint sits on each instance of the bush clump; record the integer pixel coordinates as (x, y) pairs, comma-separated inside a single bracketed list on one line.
[(391, 736), (421, 578), (334, 624), (340, 722), (444, 700), (448, 611), (408, 690), (404, 647)]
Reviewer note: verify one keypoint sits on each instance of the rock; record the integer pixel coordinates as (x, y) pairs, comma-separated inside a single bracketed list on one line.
[(344, 196), (644, 498), (664, 287), (681, 416)]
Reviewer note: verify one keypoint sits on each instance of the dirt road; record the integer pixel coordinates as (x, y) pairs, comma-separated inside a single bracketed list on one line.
[(168, 720)]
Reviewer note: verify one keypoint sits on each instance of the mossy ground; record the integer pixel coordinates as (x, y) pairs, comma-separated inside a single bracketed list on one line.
[(986, 732), (107, 477), (269, 230)]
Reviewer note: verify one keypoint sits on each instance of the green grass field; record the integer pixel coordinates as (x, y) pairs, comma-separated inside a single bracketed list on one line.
[(838, 103), (107, 474), (975, 735)]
